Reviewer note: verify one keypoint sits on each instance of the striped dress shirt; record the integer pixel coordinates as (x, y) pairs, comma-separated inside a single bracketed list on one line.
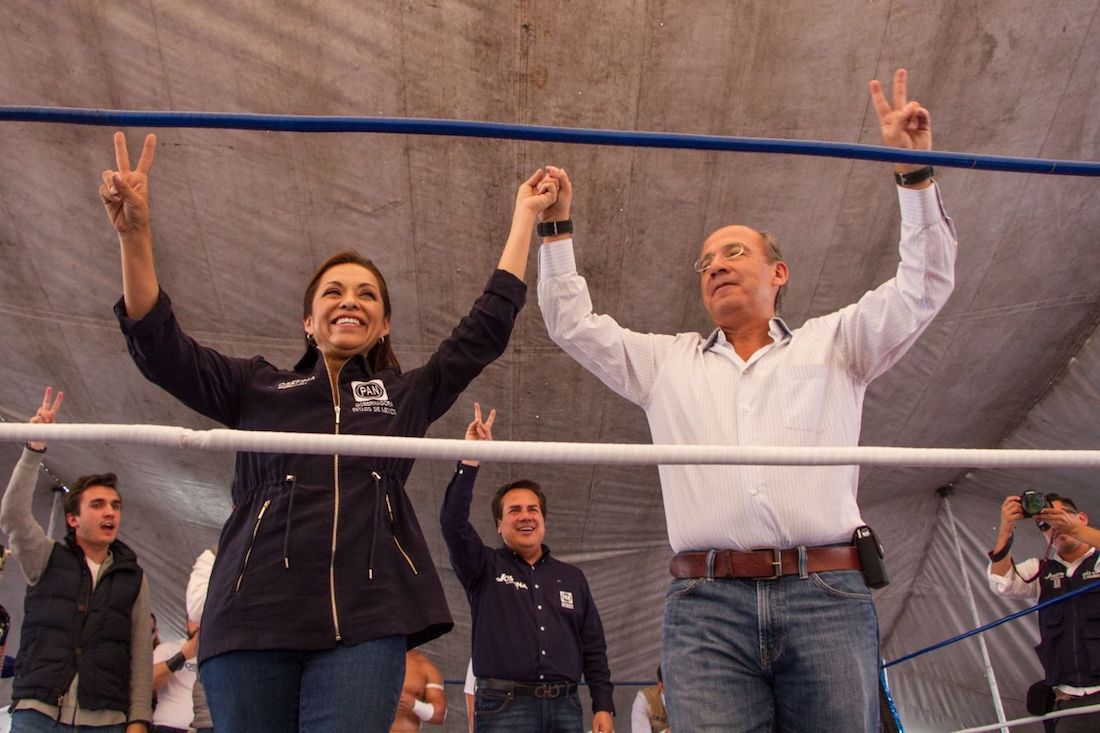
[(804, 389)]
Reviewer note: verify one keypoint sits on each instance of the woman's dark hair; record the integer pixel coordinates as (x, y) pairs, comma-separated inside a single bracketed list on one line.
[(381, 355)]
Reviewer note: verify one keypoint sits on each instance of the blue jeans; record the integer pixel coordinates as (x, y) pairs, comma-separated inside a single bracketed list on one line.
[(32, 721), (502, 712), (794, 654), (349, 688)]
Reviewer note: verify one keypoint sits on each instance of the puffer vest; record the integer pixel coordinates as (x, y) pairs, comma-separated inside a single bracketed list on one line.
[(68, 629)]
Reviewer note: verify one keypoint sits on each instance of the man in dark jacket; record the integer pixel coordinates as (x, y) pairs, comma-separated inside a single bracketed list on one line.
[(1069, 632), (536, 630), (86, 641)]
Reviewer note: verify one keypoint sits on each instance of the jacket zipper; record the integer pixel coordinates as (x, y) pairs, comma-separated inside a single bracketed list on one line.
[(334, 385), (251, 543), (393, 528)]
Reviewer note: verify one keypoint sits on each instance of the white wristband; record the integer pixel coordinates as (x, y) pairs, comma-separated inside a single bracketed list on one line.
[(423, 710)]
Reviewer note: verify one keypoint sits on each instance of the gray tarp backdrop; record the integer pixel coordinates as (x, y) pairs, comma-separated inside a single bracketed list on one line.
[(241, 219)]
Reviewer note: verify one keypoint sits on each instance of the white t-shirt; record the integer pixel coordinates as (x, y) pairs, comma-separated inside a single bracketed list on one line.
[(468, 688), (174, 706)]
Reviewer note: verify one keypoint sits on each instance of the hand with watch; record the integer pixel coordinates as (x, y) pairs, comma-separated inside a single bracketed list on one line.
[(906, 125), (554, 222)]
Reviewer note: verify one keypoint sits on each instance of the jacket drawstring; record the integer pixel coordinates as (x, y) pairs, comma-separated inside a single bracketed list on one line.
[(292, 480), (377, 518)]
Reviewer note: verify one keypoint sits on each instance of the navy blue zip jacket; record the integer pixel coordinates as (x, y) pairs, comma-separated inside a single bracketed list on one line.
[(531, 624), (321, 550)]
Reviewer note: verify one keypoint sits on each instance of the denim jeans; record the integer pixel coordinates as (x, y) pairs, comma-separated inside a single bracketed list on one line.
[(794, 654), (502, 712), (349, 688), (32, 721)]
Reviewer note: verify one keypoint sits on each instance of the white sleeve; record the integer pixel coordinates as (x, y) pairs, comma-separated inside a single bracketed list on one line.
[(468, 688), (877, 331), (1011, 584), (624, 360), (639, 715), (197, 584)]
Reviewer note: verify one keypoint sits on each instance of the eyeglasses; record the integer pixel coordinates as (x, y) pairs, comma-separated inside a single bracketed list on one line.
[(727, 252)]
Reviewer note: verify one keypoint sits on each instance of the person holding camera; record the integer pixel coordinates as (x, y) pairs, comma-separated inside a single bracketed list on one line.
[(1069, 638)]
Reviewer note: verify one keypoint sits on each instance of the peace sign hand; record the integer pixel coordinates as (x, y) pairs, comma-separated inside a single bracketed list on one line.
[(479, 429), (125, 192), (904, 124), (46, 414)]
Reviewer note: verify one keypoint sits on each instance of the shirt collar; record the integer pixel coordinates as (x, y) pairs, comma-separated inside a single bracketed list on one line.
[(777, 329), (542, 558), (1078, 561)]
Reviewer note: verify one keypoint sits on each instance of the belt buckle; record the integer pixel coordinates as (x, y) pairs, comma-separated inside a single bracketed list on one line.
[(548, 690), (777, 564)]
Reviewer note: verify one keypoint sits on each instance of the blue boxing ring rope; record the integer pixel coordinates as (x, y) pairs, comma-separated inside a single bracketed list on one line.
[(992, 624), (539, 133)]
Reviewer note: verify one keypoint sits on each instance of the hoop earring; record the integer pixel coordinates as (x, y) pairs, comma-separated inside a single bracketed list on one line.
[(310, 340), (382, 340)]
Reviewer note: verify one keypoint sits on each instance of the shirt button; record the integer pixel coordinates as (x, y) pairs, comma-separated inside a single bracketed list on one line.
[(539, 607), (542, 676), (754, 492), (542, 628), (544, 652), (536, 585)]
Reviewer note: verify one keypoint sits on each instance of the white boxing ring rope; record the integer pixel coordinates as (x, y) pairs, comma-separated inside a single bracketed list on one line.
[(262, 441), (223, 439)]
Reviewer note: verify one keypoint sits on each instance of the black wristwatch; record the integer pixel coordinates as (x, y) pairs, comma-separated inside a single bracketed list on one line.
[(917, 176), (554, 228), (998, 555)]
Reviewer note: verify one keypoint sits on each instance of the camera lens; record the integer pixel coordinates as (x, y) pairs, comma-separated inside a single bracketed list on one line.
[(1032, 503)]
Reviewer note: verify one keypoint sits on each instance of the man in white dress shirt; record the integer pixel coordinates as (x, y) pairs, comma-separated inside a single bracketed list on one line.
[(788, 636)]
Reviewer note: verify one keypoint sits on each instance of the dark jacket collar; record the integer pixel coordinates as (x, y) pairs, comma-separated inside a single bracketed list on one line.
[(311, 361), (119, 550)]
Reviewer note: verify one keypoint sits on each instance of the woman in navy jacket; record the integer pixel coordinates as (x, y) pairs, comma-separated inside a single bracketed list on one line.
[(323, 577)]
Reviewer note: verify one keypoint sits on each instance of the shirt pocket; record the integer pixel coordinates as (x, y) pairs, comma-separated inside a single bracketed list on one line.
[(802, 395)]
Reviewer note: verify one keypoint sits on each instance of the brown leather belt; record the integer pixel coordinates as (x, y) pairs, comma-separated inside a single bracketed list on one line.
[(763, 564)]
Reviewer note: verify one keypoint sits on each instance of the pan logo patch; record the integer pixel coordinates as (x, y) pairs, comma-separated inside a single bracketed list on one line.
[(371, 396)]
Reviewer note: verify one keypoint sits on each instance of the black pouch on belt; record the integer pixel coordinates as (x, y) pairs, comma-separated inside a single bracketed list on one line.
[(870, 557)]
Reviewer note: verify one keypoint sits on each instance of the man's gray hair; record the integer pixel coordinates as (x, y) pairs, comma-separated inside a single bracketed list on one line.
[(773, 255)]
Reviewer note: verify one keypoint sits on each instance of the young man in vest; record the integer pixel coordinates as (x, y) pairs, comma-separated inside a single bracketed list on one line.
[(1069, 636), (86, 641)]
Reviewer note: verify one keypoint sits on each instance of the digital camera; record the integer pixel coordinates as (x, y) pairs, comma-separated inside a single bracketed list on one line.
[(1032, 502)]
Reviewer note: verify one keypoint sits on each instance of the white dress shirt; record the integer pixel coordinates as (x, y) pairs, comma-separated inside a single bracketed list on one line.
[(804, 389)]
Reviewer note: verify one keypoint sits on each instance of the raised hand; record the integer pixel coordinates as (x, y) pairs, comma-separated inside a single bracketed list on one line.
[(1061, 520), (479, 429), (125, 192), (46, 413), (559, 210), (905, 124), (537, 193)]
